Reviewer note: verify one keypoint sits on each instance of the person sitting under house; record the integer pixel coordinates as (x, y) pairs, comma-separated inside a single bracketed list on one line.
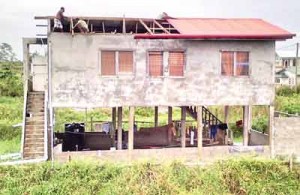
[(81, 25), (58, 20)]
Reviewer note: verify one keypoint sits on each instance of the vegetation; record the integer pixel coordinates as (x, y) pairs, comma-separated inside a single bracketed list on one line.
[(240, 176)]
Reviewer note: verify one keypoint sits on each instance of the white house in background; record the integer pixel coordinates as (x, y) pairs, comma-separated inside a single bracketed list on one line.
[(287, 76), (285, 59)]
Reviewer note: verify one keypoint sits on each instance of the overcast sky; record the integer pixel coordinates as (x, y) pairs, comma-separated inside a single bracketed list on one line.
[(17, 16)]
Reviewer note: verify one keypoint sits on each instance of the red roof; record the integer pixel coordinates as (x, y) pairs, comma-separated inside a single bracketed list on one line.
[(212, 28)]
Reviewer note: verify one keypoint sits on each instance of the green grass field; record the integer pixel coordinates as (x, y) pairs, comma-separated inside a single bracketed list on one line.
[(236, 176)]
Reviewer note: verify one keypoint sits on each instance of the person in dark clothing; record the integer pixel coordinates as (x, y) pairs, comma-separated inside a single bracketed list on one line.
[(59, 19)]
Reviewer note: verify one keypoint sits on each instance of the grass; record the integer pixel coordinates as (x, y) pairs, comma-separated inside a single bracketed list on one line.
[(236, 176), (10, 146)]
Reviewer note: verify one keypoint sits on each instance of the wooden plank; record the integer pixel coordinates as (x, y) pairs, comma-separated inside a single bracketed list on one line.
[(146, 27), (161, 27), (72, 26), (170, 115), (183, 127), (131, 128), (156, 116), (124, 26), (120, 112), (103, 27), (200, 129)]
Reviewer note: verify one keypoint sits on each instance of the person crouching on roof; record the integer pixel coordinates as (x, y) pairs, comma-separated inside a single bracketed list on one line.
[(58, 20), (81, 25)]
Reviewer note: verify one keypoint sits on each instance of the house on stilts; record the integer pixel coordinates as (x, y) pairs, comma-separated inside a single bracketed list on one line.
[(186, 63)]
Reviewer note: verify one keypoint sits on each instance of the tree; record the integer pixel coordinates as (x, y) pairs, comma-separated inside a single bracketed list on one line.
[(6, 53)]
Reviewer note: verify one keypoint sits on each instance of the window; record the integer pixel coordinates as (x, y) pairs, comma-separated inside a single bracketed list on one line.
[(176, 63), (155, 63), (125, 62), (116, 62), (108, 63), (234, 63)]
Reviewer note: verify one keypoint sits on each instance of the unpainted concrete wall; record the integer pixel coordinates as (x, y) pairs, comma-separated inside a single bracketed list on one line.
[(287, 136), (77, 82), (258, 138)]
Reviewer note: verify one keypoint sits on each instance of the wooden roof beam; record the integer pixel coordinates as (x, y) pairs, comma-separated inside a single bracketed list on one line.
[(146, 27), (161, 27)]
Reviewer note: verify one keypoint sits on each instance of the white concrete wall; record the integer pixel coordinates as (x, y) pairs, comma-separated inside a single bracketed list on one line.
[(77, 82)]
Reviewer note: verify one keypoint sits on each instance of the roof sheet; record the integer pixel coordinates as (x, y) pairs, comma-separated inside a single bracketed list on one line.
[(214, 28)]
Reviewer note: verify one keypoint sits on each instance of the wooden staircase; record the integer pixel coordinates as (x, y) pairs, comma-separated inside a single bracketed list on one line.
[(33, 146), (208, 118)]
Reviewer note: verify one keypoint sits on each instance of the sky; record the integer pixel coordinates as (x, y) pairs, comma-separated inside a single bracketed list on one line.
[(17, 16)]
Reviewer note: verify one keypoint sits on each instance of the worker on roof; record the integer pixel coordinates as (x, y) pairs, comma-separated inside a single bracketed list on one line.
[(81, 25), (59, 20)]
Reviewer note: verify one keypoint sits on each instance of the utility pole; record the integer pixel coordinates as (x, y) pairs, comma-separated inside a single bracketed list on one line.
[(297, 61)]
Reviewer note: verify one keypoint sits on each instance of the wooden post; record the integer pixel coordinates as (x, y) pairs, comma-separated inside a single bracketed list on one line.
[(226, 119), (113, 120), (156, 116), (120, 110), (170, 115), (183, 127), (131, 128), (200, 129), (245, 125), (271, 130)]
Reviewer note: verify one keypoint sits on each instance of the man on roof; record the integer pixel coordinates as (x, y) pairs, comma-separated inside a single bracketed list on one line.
[(81, 25), (59, 20)]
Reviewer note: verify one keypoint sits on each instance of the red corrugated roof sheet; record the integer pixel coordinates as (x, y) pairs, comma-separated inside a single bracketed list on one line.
[(212, 28)]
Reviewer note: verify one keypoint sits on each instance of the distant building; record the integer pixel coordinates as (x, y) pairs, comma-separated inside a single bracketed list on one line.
[(285, 59), (287, 76)]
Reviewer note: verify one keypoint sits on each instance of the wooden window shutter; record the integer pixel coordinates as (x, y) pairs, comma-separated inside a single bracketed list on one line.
[(155, 63), (126, 61), (227, 62), (176, 63), (108, 63), (242, 63)]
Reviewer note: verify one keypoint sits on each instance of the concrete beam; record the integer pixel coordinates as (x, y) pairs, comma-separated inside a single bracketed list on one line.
[(120, 110), (271, 131), (183, 127), (131, 128), (246, 128)]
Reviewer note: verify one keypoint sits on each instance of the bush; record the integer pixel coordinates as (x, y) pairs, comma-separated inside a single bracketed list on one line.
[(287, 90), (11, 83), (260, 124)]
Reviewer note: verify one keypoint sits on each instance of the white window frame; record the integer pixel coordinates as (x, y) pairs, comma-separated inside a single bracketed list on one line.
[(235, 63), (118, 73)]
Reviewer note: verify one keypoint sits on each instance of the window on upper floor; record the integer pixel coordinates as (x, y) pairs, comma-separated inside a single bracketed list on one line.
[(176, 63), (116, 62), (155, 63), (235, 63)]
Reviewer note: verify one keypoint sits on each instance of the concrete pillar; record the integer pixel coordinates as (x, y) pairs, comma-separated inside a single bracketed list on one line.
[(113, 120), (170, 115), (200, 129), (271, 130), (131, 128), (183, 126), (245, 125), (120, 110), (156, 116)]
